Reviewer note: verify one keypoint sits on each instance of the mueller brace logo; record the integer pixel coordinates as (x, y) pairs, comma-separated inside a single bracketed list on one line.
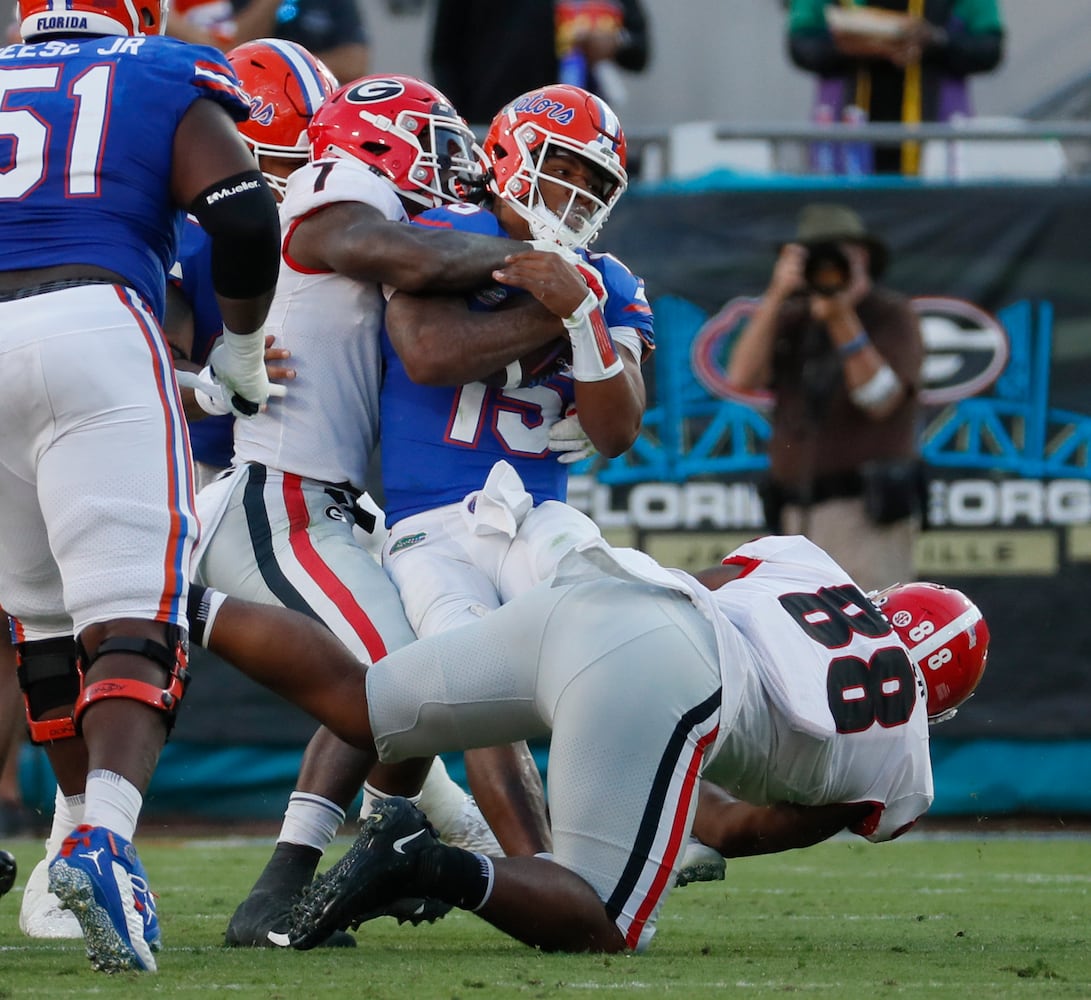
[(232, 191)]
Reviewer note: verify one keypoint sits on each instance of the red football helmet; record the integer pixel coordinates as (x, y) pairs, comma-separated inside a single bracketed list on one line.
[(543, 122), (407, 132), (41, 18), (286, 86), (947, 638)]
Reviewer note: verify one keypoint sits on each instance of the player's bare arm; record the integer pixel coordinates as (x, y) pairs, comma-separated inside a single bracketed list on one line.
[(611, 409), (358, 241), (441, 341), (738, 829)]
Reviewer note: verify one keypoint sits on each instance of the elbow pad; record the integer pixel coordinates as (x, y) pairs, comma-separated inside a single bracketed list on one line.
[(240, 216)]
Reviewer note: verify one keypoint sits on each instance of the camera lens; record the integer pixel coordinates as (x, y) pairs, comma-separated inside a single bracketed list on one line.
[(827, 270)]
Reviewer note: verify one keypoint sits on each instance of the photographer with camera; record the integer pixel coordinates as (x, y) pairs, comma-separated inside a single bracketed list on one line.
[(842, 355)]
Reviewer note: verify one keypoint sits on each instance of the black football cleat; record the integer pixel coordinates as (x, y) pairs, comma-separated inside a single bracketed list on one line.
[(262, 920), (376, 873), (8, 871)]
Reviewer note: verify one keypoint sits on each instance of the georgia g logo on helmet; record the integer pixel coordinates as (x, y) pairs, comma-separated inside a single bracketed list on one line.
[(374, 91)]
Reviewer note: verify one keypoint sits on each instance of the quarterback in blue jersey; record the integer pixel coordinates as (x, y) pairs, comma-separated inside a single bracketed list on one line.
[(113, 134), (474, 494)]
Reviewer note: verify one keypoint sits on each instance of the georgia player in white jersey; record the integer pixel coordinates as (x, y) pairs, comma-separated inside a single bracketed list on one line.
[(784, 683), (278, 528)]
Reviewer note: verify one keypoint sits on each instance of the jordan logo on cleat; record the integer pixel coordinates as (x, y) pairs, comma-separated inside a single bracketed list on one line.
[(94, 856), (400, 843)]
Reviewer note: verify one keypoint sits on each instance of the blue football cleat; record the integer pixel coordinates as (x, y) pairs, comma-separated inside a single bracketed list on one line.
[(99, 877)]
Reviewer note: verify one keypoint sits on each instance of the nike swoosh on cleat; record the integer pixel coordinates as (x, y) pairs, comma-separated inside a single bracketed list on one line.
[(280, 940), (402, 841)]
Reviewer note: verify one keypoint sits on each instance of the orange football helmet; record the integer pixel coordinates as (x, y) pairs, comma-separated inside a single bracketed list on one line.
[(41, 18), (542, 122), (286, 86)]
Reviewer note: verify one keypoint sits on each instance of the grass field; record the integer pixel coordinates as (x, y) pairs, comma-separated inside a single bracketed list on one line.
[(966, 917)]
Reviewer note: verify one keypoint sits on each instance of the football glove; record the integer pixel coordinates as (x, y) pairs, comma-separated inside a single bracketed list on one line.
[(237, 365), (206, 390), (569, 440)]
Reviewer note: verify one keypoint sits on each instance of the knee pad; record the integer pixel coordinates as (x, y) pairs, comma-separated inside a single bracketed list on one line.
[(173, 658), (49, 678)]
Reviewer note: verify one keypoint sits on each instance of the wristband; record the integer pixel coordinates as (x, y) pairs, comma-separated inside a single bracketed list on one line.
[(513, 375), (594, 354), (854, 346)]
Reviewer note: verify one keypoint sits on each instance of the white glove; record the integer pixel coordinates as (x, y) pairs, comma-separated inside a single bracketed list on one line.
[(237, 365), (568, 438), (206, 390)]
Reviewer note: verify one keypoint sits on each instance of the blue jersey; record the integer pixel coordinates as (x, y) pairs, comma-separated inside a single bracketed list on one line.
[(87, 145), (211, 437), (439, 442)]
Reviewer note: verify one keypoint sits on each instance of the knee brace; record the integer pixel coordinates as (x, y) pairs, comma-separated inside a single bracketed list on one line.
[(49, 678), (173, 658)]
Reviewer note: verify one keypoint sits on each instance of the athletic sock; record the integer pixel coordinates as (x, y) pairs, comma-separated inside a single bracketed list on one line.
[(373, 796), (441, 798), (68, 813), (112, 802), (310, 821), (452, 875), (289, 870)]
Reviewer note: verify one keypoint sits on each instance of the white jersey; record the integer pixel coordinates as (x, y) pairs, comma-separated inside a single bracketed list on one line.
[(821, 703), (841, 715), (327, 424)]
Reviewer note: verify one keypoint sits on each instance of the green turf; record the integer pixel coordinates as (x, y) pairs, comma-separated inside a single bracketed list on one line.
[(985, 917)]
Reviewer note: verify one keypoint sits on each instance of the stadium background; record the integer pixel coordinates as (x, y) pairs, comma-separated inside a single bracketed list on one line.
[(1000, 270)]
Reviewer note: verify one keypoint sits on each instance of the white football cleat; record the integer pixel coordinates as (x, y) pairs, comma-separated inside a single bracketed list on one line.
[(40, 913), (700, 863), (469, 830)]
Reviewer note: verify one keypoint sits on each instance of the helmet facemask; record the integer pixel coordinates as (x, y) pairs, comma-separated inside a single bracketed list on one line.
[(446, 166), (579, 219)]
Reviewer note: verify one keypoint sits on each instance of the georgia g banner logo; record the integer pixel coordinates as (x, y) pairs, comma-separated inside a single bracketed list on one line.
[(965, 350), (373, 91)]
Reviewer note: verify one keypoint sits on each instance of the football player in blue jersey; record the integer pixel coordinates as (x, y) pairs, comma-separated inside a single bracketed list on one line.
[(285, 84), (114, 133), (474, 495)]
